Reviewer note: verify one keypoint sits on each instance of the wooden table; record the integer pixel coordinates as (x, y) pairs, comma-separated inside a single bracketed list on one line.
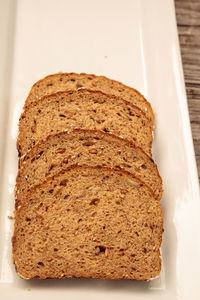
[(188, 21)]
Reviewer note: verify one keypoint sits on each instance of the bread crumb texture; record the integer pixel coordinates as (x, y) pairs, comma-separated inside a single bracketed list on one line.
[(72, 81), (89, 222), (87, 110), (84, 147)]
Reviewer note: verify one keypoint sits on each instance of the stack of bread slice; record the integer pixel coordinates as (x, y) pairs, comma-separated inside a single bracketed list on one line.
[(87, 190)]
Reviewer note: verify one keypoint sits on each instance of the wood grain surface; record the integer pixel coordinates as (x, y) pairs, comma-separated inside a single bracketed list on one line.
[(188, 21)]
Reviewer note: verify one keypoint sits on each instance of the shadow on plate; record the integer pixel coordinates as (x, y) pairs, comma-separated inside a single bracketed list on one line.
[(88, 284)]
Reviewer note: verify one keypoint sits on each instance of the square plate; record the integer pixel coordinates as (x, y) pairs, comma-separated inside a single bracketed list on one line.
[(133, 41)]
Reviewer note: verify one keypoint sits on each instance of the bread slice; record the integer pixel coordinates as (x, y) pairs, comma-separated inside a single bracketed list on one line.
[(87, 110), (89, 222), (84, 147), (72, 81)]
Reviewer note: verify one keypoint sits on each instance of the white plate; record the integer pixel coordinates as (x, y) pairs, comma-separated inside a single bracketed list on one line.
[(131, 41)]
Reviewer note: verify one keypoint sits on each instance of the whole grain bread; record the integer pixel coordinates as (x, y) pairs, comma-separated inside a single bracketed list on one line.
[(83, 109), (89, 222), (72, 81), (84, 147)]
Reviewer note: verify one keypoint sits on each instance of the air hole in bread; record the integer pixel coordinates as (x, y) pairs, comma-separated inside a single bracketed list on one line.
[(100, 249), (78, 85), (64, 182), (100, 101), (38, 156), (65, 161), (33, 128), (94, 201), (144, 166), (88, 143), (60, 150), (100, 121), (51, 167), (117, 167)]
